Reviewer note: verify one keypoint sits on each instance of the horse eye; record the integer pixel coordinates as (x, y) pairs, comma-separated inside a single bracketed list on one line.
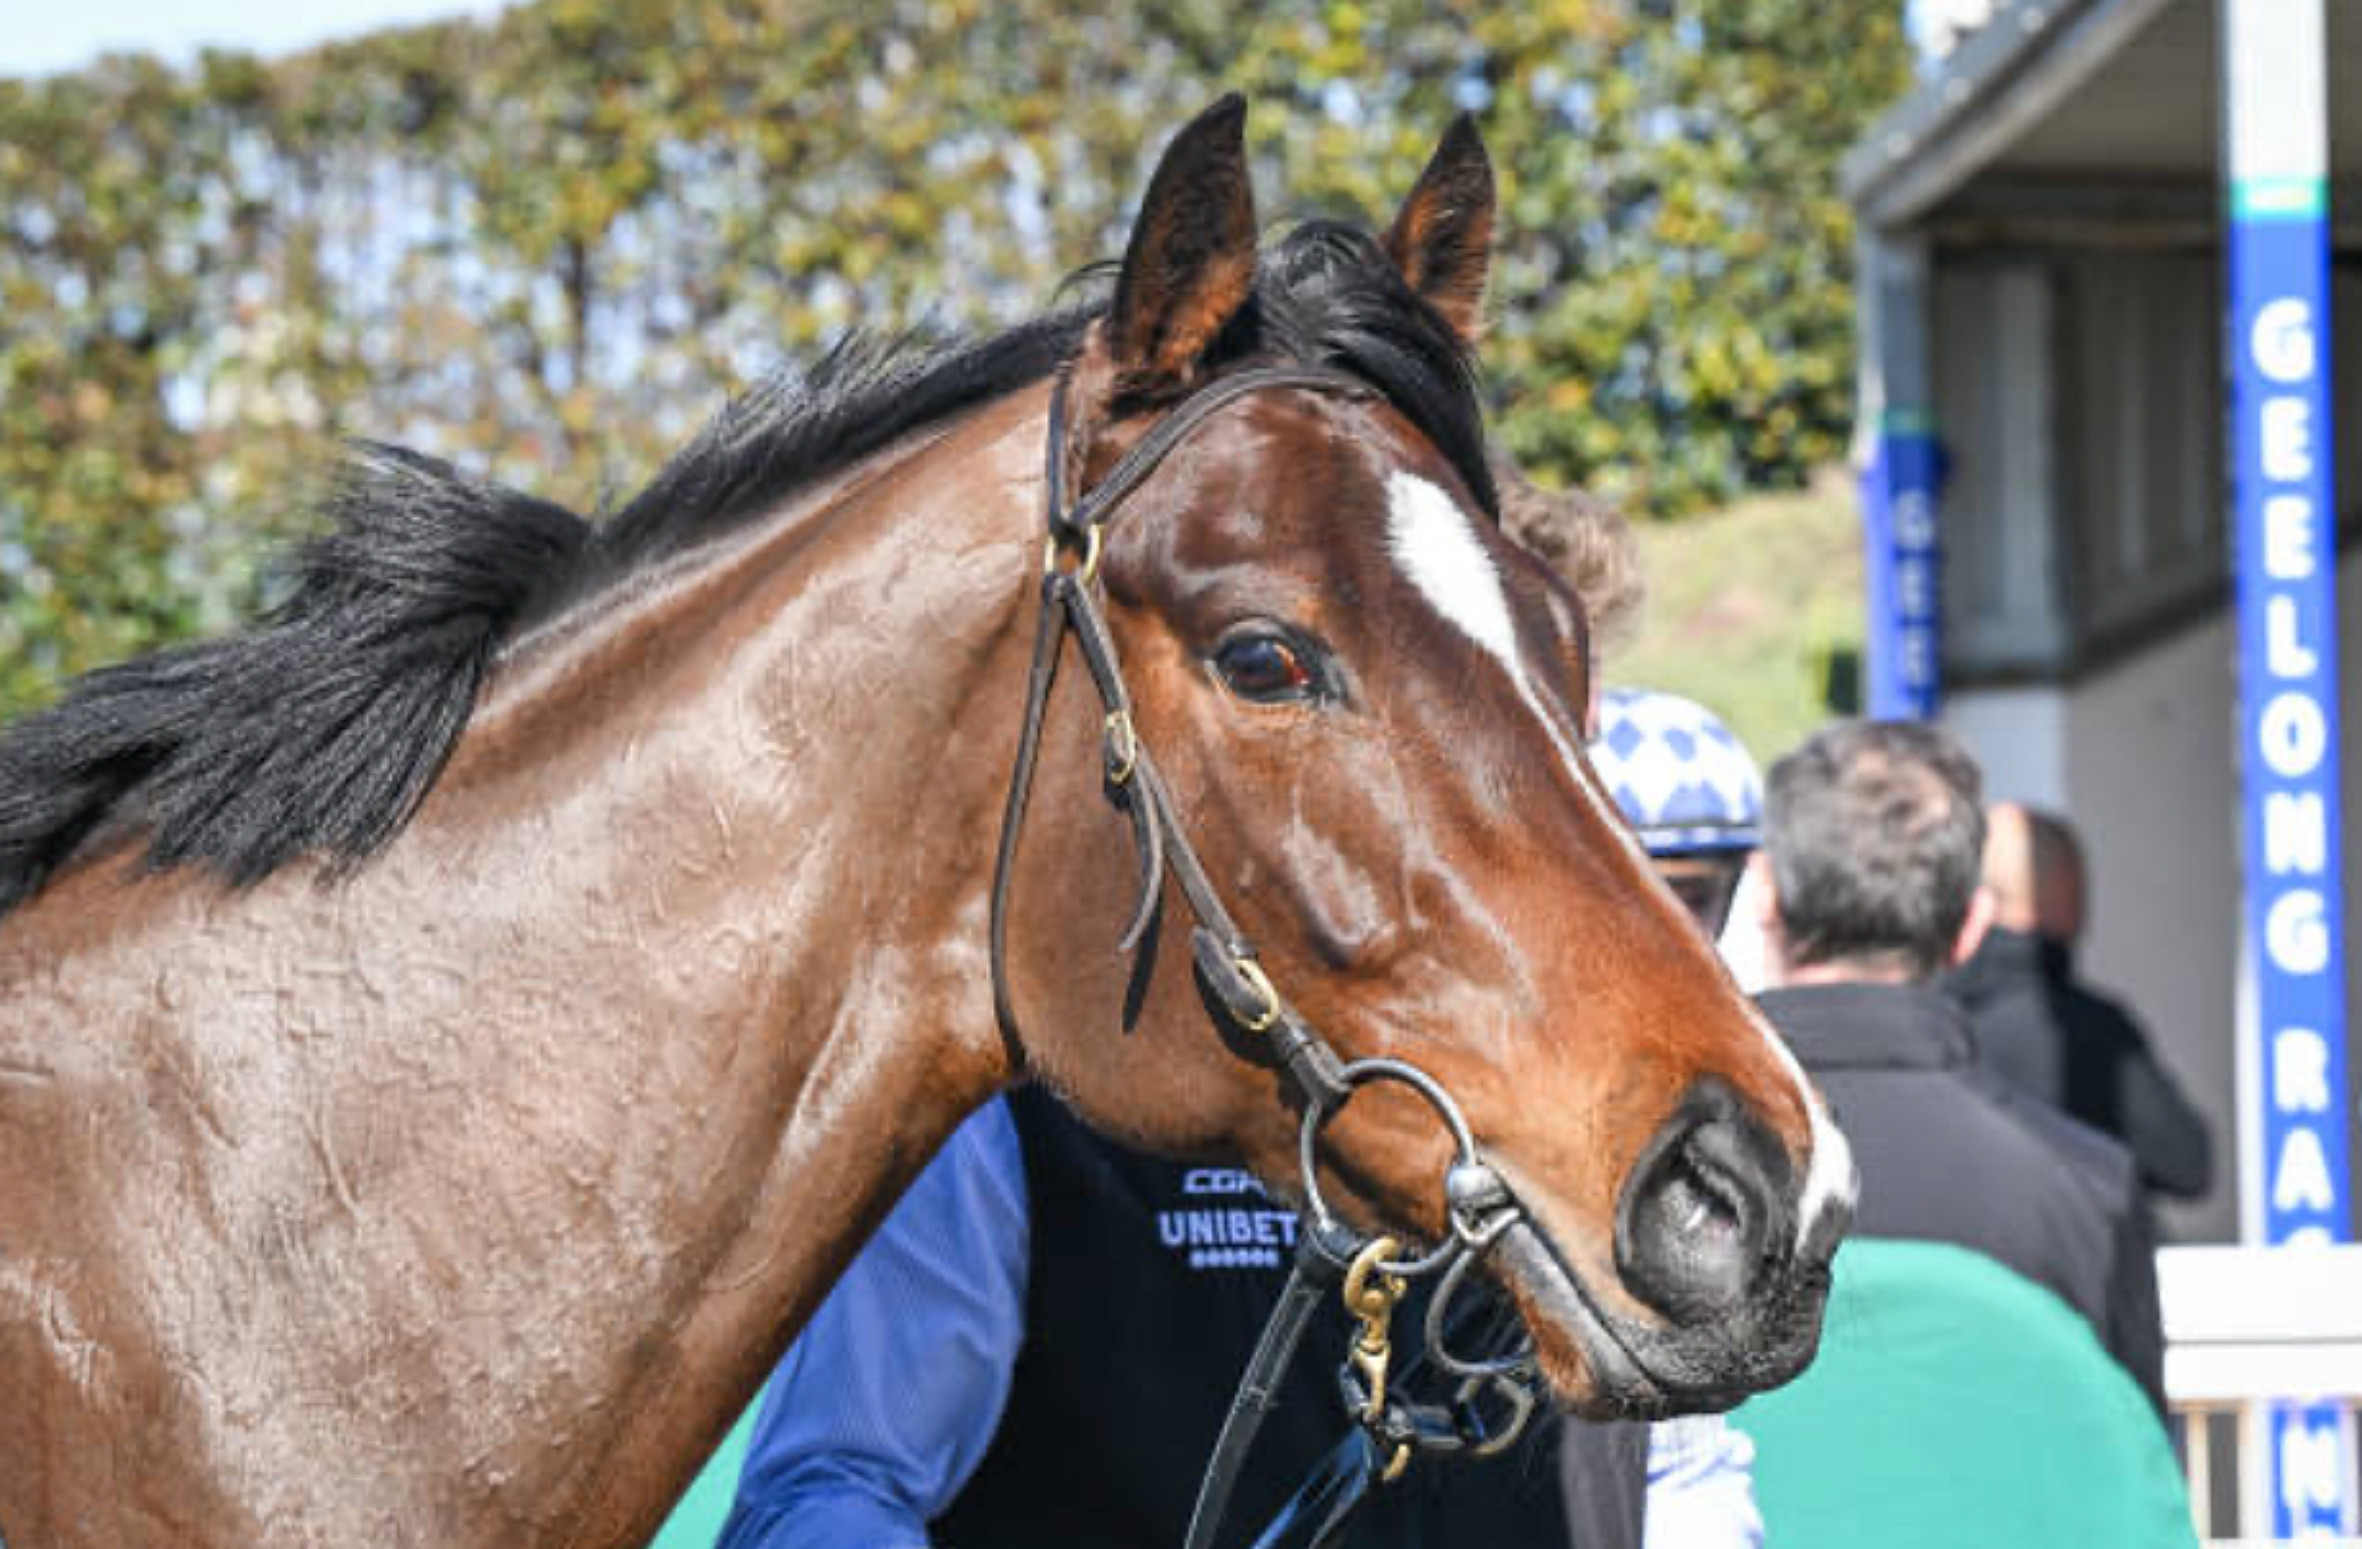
[(1266, 669)]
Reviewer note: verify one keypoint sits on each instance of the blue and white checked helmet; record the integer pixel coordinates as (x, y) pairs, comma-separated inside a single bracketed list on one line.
[(1677, 773)]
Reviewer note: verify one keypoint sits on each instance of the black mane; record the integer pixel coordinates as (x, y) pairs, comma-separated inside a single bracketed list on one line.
[(319, 730)]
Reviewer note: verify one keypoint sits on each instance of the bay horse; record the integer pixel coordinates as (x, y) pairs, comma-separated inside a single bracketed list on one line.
[(452, 1034)]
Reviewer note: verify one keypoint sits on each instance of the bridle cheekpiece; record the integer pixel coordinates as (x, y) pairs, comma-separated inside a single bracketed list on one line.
[(1330, 1255)]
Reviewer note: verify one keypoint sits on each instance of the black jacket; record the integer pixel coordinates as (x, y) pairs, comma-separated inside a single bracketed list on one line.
[(1148, 1285), (1950, 1153), (2043, 1030)]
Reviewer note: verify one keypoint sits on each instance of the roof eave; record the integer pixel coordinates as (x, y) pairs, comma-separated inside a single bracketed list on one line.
[(2002, 81)]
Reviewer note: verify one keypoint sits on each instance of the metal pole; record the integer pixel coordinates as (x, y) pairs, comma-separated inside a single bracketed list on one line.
[(2276, 153)]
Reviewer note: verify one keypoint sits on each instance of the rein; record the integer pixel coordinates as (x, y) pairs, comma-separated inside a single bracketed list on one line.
[(1330, 1255)]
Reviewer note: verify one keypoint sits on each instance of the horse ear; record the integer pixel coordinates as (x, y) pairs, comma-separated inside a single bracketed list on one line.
[(1443, 239), (1191, 260)]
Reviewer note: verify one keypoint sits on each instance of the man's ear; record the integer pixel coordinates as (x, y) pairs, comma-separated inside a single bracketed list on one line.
[(1190, 263), (1443, 238), (1972, 929)]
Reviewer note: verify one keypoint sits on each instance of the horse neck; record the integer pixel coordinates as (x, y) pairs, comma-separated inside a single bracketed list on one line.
[(523, 1150), (783, 731), (772, 777)]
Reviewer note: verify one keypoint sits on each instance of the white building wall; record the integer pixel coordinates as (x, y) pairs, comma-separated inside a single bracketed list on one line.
[(2141, 758), (2153, 784), (2020, 736)]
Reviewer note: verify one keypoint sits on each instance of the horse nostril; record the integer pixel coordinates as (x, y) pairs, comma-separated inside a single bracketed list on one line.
[(1703, 1216), (1701, 1202)]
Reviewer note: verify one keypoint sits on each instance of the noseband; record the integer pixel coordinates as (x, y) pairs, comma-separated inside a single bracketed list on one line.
[(1493, 1396)]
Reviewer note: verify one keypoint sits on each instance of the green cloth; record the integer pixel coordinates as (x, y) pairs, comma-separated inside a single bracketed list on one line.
[(1957, 1405), (698, 1516)]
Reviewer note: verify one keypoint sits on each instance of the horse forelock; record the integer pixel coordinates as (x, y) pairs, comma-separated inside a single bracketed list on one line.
[(1328, 294)]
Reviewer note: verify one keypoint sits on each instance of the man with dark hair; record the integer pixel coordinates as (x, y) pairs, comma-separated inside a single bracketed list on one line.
[(1874, 833), (1874, 838), (2042, 1028)]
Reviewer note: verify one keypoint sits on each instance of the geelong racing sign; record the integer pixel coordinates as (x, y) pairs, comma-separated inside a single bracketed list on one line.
[(1900, 491), (2282, 444)]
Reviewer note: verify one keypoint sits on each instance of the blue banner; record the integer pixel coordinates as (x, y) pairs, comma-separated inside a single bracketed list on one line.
[(1900, 492), (2288, 716)]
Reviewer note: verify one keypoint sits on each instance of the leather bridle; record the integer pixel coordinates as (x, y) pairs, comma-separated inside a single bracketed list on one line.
[(1330, 1255)]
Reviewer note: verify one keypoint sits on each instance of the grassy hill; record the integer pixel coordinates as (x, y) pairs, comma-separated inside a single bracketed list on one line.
[(1745, 607)]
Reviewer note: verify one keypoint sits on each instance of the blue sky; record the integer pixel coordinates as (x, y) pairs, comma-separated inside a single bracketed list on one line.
[(42, 36)]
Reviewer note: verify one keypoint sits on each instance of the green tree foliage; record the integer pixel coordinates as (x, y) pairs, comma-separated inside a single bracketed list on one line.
[(546, 245)]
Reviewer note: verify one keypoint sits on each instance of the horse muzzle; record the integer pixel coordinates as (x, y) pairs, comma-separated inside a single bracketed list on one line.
[(1721, 1267)]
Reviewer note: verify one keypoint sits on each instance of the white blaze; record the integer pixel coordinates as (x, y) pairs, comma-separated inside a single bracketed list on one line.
[(1433, 541), (1435, 544)]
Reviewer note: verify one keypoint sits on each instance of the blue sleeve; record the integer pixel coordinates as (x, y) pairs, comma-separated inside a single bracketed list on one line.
[(1701, 1486), (886, 1401)]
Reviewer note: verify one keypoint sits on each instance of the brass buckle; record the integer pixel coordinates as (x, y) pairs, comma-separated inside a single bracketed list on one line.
[(1258, 981), (1123, 743)]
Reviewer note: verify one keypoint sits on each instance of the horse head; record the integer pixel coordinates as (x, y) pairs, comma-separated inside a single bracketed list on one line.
[(1367, 710)]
